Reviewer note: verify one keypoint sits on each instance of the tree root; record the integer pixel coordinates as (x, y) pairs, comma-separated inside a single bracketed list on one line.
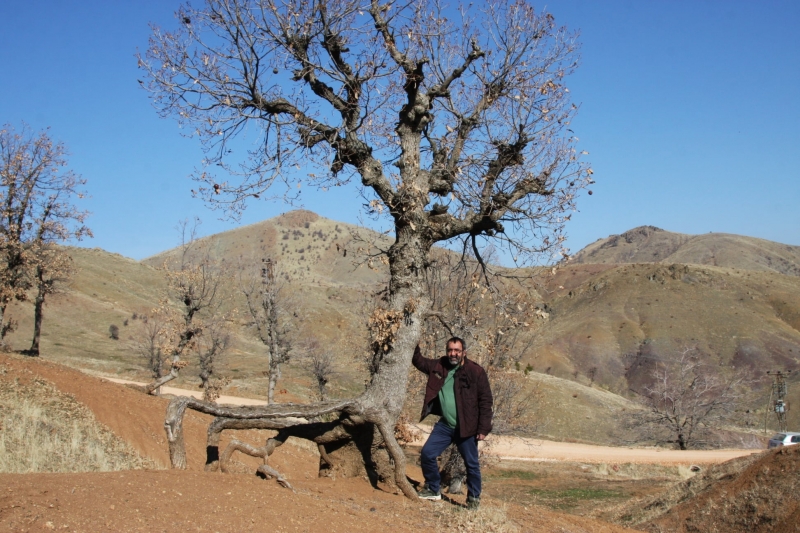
[(264, 452), (291, 420), (399, 458)]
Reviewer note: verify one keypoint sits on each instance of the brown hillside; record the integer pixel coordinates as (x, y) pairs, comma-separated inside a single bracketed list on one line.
[(621, 319), (761, 498), (607, 316), (309, 248), (648, 244)]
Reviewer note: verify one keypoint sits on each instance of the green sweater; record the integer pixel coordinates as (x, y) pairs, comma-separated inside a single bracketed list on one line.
[(447, 400)]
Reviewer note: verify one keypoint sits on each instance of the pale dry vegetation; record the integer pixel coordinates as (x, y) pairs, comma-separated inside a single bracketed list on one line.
[(489, 518), (45, 430)]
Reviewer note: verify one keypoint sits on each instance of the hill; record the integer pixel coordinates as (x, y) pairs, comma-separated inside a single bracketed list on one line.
[(648, 244), (602, 325)]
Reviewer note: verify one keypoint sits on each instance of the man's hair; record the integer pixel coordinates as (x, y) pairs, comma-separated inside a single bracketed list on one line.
[(458, 340)]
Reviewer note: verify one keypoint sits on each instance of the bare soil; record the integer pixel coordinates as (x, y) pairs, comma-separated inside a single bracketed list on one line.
[(168, 500), (548, 486)]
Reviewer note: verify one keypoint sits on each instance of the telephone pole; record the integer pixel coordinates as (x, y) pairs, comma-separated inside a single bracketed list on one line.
[(777, 398)]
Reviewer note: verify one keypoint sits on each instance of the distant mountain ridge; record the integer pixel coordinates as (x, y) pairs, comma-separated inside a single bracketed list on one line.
[(649, 244)]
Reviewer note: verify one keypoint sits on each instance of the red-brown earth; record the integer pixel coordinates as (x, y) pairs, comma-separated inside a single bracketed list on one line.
[(193, 500)]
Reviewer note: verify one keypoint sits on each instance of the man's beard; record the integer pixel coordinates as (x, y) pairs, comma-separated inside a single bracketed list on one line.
[(454, 361)]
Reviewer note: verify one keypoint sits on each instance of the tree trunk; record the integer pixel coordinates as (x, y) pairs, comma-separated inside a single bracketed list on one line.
[(361, 441), (6, 326), (155, 386), (38, 309), (274, 376)]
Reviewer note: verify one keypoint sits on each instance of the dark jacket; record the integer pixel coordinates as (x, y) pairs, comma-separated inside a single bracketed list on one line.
[(472, 392)]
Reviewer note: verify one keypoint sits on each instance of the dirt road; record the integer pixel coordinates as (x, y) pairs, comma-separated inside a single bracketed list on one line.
[(519, 449)]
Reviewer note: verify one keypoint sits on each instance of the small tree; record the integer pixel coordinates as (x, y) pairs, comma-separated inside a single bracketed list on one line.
[(686, 400), (37, 196), (149, 342), (211, 347), (113, 332), (263, 288), (194, 294), (319, 360)]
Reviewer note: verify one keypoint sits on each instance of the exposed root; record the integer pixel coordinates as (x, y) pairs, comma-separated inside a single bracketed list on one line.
[(268, 472), (264, 452), (290, 420), (399, 458), (324, 455)]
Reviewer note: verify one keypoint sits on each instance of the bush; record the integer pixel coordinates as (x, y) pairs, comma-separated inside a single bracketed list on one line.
[(113, 331)]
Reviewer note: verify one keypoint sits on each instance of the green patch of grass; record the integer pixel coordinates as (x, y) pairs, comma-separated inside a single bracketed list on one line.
[(515, 474), (569, 498)]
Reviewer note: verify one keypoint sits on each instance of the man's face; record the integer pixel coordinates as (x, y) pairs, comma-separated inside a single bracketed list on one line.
[(455, 353)]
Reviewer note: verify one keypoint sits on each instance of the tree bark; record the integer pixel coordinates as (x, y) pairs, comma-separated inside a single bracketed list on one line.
[(156, 385), (38, 314)]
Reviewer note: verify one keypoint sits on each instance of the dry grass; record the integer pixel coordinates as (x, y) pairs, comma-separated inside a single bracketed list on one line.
[(491, 517), (45, 430)]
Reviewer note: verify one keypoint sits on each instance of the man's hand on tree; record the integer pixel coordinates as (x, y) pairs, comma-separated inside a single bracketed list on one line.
[(481, 436)]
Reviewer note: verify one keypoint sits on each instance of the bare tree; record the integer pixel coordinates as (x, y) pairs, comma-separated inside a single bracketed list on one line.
[(267, 303), (455, 122), (149, 342), (687, 398), (194, 283), (37, 197), (211, 347), (320, 361)]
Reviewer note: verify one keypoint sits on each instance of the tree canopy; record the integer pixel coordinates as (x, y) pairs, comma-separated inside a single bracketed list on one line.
[(455, 120)]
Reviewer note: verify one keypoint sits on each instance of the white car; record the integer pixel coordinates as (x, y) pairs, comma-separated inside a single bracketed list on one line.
[(784, 439)]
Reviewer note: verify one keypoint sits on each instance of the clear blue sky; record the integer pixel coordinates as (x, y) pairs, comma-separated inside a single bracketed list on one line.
[(690, 110)]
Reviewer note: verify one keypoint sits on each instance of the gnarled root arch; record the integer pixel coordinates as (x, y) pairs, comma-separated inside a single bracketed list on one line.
[(370, 430)]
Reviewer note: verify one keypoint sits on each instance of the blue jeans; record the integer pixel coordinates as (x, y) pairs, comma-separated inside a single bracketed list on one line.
[(441, 437)]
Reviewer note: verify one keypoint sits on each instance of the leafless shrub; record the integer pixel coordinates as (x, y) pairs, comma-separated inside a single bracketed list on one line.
[(149, 339), (113, 332), (211, 347), (319, 360)]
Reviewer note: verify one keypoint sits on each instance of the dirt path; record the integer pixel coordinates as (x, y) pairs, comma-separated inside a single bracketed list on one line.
[(520, 449)]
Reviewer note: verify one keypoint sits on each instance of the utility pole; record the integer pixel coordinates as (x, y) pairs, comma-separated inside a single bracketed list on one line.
[(777, 398)]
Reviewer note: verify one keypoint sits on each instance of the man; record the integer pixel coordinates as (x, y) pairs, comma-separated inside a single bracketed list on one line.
[(458, 391)]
